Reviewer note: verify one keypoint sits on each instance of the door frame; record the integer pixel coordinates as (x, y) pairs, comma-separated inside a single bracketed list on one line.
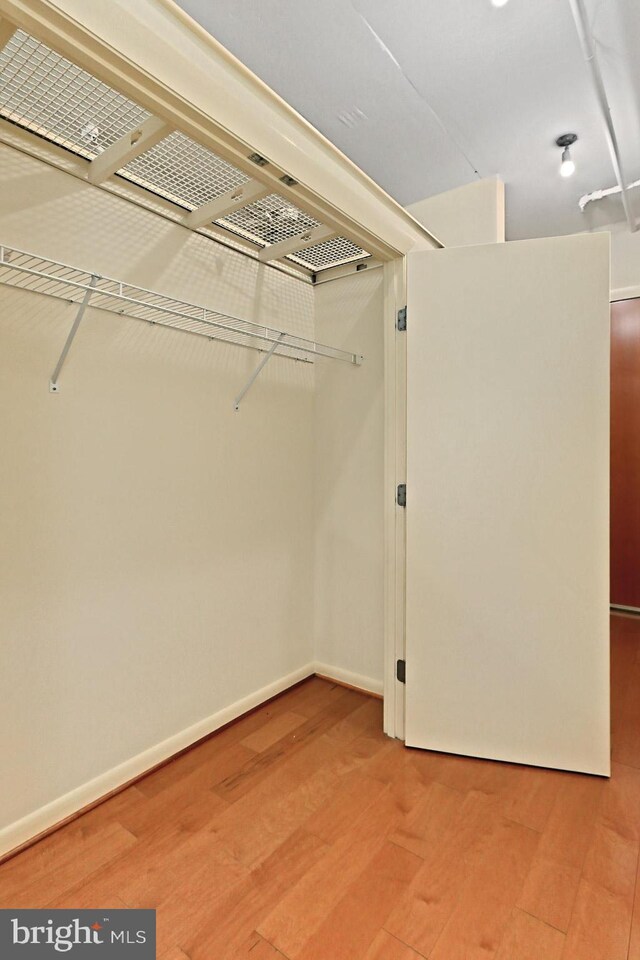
[(619, 296), (395, 461)]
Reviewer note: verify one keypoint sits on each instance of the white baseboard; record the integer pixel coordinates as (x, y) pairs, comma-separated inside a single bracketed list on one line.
[(46, 817), (346, 676), (625, 293)]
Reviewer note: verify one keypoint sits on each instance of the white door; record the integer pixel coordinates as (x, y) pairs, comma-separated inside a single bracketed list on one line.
[(507, 646)]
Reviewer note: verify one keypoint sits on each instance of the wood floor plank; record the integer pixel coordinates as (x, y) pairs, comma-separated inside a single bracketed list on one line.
[(258, 822), (298, 915), (300, 830), (600, 924), (621, 801), (626, 713), (625, 655), (634, 937), (478, 924), (422, 913), (532, 796), (144, 856), (396, 768), (173, 953), (386, 947), (52, 852), (259, 949), (272, 731), (229, 925), (611, 861), (99, 849), (189, 804), (160, 879), (254, 826), (349, 929), (315, 696), (334, 819), (92, 896), (550, 889), (189, 910), (315, 699), (366, 718), (469, 773), (261, 766), (427, 823), (111, 811), (530, 939)]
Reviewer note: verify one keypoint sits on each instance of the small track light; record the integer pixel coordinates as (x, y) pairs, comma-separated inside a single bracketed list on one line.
[(567, 166)]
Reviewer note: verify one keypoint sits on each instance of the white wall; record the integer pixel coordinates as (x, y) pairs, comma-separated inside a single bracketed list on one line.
[(349, 457), (349, 475), (157, 547), (467, 215), (625, 261)]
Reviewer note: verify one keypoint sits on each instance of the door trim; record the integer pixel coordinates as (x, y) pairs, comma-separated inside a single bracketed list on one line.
[(395, 446)]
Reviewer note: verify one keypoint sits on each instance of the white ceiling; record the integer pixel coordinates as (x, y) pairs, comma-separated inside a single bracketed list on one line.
[(427, 95)]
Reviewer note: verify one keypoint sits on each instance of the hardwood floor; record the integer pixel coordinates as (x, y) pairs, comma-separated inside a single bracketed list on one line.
[(301, 832)]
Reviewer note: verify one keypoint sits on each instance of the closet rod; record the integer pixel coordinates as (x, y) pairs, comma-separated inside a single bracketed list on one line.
[(52, 278)]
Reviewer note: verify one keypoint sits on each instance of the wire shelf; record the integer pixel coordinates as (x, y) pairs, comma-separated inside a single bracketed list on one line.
[(37, 274), (48, 95), (183, 171), (269, 221), (329, 253)]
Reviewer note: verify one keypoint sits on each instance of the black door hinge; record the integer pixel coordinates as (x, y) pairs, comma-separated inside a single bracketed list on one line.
[(401, 495), (401, 671), (401, 322)]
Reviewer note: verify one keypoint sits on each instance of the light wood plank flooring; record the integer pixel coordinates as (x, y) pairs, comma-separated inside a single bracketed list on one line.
[(301, 832)]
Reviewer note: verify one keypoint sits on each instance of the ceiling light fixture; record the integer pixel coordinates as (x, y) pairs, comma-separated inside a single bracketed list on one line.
[(567, 166), (499, 3)]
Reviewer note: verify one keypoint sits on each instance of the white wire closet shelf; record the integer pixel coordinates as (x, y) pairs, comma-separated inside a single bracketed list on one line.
[(37, 274), (51, 97)]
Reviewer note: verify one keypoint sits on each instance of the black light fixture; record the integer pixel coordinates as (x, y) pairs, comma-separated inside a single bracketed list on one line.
[(567, 166)]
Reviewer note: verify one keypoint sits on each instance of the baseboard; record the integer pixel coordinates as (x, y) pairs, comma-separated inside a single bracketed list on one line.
[(625, 293), (54, 814), (357, 681), (623, 611)]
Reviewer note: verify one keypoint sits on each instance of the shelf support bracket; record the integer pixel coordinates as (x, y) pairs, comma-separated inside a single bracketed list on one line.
[(256, 373), (276, 251), (53, 382), (228, 203), (127, 148)]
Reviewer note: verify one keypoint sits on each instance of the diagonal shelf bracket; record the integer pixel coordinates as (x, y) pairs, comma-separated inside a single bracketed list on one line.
[(256, 373), (53, 382), (50, 278)]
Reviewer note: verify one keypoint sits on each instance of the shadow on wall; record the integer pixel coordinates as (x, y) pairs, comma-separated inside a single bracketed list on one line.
[(124, 343), (56, 215), (349, 316)]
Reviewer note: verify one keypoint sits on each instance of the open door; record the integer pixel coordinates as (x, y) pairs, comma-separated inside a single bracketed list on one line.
[(625, 454), (507, 646)]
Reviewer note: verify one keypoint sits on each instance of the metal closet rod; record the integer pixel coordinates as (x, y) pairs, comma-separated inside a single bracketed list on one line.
[(62, 281)]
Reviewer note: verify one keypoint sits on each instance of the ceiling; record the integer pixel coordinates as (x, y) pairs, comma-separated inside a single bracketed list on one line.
[(428, 95)]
